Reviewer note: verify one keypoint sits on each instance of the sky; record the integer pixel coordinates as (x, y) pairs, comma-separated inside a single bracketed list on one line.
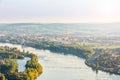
[(78, 11)]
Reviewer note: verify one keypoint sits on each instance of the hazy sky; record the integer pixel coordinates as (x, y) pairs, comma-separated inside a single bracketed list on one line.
[(60, 10)]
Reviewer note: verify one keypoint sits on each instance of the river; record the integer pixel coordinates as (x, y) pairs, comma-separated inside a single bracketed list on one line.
[(63, 67)]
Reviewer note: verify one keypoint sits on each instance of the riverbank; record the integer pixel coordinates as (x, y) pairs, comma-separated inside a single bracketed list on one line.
[(66, 49), (96, 68), (106, 60)]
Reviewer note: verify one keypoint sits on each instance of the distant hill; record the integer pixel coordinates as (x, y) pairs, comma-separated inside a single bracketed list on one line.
[(61, 28)]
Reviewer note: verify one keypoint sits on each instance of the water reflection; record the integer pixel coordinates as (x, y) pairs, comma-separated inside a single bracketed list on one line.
[(21, 64)]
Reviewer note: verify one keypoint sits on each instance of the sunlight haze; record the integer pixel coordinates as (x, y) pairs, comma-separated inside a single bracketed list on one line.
[(84, 11)]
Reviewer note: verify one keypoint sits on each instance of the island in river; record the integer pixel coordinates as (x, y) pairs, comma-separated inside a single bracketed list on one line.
[(9, 66)]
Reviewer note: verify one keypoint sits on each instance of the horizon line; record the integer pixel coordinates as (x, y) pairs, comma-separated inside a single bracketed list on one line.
[(63, 20), (59, 22)]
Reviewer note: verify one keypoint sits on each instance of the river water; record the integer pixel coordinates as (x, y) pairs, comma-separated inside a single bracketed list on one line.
[(57, 66)]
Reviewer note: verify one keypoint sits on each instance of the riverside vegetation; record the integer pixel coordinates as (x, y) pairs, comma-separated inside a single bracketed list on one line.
[(107, 60), (9, 66), (66, 49)]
